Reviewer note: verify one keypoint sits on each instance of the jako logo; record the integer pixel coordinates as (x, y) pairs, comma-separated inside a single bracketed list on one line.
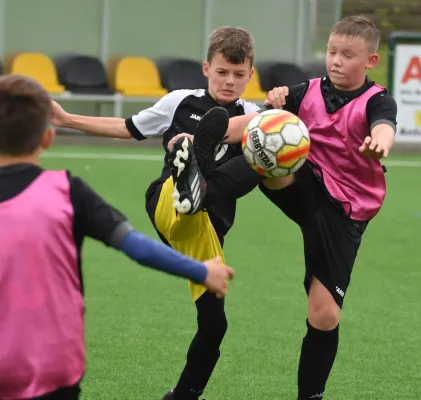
[(317, 396), (340, 291), (196, 117)]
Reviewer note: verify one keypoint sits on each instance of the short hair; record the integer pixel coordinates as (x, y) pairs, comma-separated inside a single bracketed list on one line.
[(235, 44), (25, 109), (358, 26)]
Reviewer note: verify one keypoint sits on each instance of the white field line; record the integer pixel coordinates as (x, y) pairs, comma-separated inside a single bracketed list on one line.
[(149, 157)]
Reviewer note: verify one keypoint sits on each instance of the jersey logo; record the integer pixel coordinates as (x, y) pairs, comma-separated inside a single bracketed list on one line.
[(196, 117)]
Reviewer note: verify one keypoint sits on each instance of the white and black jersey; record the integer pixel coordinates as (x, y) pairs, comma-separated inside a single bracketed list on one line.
[(178, 112)]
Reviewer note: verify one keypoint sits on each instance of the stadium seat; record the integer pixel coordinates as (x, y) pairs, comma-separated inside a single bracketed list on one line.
[(275, 74), (315, 69), (137, 76), (39, 67), (181, 74), (253, 89), (82, 74)]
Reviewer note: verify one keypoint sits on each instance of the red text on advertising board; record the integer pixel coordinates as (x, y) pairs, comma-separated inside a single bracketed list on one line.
[(413, 70)]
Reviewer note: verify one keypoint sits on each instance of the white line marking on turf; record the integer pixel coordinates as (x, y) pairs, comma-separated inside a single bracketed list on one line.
[(104, 156), (149, 157), (399, 163)]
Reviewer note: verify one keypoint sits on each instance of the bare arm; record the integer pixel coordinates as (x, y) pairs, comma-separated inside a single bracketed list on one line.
[(276, 99), (234, 133), (236, 128), (381, 114), (102, 126), (384, 134), (379, 144)]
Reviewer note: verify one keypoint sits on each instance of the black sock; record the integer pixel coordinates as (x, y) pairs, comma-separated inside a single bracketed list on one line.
[(318, 353), (203, 353)]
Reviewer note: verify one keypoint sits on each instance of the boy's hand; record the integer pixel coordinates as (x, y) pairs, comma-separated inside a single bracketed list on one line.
[(175, 138), (59, 117), (372, 148), (277, 97), (218, 276)]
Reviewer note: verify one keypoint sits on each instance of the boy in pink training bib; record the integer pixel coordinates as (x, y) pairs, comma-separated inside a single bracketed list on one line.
[(45, 216), (352, 123), (341, 187)]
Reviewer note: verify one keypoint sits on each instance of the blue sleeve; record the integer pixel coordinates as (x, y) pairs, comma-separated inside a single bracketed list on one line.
[(156, 255)]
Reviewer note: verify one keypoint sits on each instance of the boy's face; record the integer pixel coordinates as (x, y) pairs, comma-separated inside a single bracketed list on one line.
[(227, 81), (347, 61)]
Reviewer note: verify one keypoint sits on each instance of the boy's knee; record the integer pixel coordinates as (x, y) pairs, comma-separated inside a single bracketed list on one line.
[(324, 317), (323, 311)]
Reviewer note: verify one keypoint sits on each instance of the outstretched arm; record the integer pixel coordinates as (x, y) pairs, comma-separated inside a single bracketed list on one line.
[(277, 98), (152, 121), (102, 126), (149, 252), (381, 113), (379, 144), (95, 218), (236, 128)]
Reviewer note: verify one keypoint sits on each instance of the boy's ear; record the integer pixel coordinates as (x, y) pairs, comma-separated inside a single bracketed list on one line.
[(372, 60), (48, 138), (205, 69), (251, 74)]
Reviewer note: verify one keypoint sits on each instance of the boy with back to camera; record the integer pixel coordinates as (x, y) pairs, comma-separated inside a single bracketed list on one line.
[(45, 216)]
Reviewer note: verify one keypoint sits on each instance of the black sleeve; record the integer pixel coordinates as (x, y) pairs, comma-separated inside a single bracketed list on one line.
[(94, 218), (294, 99), (133, 130), (381, 109)]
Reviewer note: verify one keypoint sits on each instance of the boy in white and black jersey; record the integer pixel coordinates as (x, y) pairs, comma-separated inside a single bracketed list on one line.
[(191, 178)]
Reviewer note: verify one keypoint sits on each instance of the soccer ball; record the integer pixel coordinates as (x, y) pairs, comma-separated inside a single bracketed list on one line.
[(276, 143)]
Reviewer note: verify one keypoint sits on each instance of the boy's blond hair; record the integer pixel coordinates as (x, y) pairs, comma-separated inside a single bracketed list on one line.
[(359, 26)]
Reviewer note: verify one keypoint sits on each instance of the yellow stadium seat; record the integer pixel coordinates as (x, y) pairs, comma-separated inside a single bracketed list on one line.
[(253, 89), (138, 76), (39, 67)]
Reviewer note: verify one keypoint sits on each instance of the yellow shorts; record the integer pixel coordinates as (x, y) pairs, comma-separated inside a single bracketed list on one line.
[(191, 235)]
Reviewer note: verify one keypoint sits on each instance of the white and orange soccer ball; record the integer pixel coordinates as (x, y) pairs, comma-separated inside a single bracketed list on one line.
[(276, 143)]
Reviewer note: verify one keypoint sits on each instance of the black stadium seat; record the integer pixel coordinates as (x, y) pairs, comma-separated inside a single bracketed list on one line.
[(178, 73), (274, 74), (82, 74)]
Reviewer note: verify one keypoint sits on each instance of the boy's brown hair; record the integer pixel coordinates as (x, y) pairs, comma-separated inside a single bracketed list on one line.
[(235, 44), (359, 26), (25, 109)]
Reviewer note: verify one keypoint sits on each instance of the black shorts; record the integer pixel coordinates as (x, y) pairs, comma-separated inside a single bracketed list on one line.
[(66, 393), (331, 238)]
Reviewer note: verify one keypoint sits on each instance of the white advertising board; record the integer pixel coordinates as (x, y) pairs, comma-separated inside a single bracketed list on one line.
[(407, 91)]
